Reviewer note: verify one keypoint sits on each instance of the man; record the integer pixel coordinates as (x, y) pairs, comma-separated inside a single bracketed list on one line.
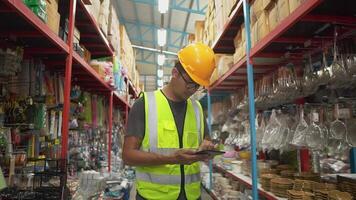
[(166, 128)]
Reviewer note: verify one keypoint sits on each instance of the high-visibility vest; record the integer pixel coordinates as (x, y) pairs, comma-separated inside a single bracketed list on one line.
[(163, 182)]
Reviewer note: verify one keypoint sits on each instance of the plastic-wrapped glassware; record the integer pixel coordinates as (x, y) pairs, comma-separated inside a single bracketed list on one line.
[(272, 129), (314, 133), (284, 131), (299, 138), (338, 128), (260, 130)]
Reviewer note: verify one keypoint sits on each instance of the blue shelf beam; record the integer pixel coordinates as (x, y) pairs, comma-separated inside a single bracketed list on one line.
[(178, 5)]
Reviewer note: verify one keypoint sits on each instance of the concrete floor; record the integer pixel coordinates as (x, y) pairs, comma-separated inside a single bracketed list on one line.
[(204, 194)]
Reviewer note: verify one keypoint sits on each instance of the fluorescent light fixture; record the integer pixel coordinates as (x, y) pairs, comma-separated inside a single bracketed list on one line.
[(160, 73), (161, 37), (160, 59), (160, 82), (163, 6)]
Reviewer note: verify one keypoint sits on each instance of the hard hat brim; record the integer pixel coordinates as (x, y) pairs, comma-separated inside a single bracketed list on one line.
[(196, 79)]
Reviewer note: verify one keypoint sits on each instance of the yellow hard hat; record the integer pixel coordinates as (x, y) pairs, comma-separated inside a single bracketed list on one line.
[(198, 60)]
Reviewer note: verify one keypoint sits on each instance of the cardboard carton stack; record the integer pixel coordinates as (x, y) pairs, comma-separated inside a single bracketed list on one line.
[(113, 29), (210, 24), (223, 10), (104, 16), (94, 9), (265, 16), (127, 55)]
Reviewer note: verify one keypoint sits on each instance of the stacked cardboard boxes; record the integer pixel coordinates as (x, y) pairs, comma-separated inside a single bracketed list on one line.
[(223, 10), (113, 30), (127, 55), (94, 9), (104, 16), (210, 24)]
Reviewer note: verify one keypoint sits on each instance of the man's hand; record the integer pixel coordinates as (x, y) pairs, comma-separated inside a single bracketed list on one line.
[(207, 145), (187, 157)]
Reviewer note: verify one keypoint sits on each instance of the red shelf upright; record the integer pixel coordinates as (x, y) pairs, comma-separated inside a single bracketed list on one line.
[(59, 55), (67, 80)]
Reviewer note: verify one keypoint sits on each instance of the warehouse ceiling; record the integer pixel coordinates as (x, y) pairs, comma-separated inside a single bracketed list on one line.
[(142, 20)]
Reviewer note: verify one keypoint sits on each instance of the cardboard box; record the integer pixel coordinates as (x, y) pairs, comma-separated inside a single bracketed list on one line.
[(94, 9), (199, 30), (267, 4), (237, 39), (53, 15), (53, 21), (243, 33), (294, 4), (283, 9), (256, 10), (262, 26), (254, 35), (53, 4), (273, 17)]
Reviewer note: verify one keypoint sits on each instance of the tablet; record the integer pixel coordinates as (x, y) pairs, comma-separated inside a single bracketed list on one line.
[(210, 152)]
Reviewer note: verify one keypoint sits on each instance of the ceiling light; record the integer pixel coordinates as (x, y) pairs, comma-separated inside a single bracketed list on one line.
[(160, 59), (162, 37), (163, 6), (160, 73), (160, 82)]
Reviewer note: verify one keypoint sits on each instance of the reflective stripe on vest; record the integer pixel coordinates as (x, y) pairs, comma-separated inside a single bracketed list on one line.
[(166, 179), (152, 120), (163, 151), (197, 118)]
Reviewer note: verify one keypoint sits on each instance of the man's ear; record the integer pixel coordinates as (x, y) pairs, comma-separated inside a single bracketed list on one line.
[(175, 73)]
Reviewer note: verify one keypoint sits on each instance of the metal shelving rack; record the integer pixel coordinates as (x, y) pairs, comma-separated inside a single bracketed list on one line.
[(299, 28), (40, 41)]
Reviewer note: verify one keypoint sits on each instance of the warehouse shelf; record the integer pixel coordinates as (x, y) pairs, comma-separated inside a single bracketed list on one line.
[(23, 28), (132, 90), (224, 42), (247, 181), (20, 22), (299, 28), (211, 193), (120, 101), (87, 77), (91, 35)]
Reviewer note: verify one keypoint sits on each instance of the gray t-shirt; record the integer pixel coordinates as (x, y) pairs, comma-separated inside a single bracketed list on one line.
[(136, 127)]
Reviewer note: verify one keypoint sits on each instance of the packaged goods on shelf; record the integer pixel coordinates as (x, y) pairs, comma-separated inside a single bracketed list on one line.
[(38, 7), (94, 9), (53, 15), (104, 69), (76, 35)]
